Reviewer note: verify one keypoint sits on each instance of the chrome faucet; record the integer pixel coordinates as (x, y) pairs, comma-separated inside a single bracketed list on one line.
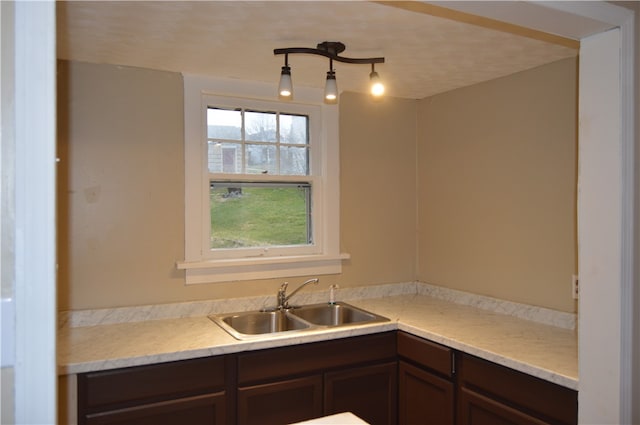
[(283, 298)]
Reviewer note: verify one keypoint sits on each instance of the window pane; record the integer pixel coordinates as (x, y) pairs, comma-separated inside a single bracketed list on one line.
[(259, 215), (224, 124), (225, 157), (260, 126), (261, 159), (294, 161), (294, 129)]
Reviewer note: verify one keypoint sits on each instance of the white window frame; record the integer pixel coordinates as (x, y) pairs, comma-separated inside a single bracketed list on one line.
[(314, 178), (324, 256)]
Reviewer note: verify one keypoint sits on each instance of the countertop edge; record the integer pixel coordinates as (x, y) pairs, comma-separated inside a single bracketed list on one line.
[(234, 346)]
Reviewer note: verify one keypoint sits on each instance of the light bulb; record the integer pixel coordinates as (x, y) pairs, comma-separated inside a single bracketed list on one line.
[(285, 88), (377, 88), (331, 88)]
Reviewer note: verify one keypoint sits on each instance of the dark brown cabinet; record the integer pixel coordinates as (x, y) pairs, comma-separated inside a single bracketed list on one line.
[(190, 391), (437, 385), (424, 397), (481, 410), (285, 401), (204, 409), (369, 392), (493, 394), (306, 381), (425, 376), (385, 378)]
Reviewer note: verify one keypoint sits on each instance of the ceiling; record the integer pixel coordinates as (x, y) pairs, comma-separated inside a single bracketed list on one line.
[(425, 54)]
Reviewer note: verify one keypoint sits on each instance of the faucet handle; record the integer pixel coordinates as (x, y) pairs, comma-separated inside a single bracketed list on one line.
[(283, 287)]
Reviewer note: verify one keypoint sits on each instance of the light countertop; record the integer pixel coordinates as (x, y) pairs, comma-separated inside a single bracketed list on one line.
[(540, 350)]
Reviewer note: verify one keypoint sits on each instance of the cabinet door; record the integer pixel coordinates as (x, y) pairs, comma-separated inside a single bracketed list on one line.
[(424, 398), (368, 392), (206, 409), (476, 409), (281, 402), (549, 402)]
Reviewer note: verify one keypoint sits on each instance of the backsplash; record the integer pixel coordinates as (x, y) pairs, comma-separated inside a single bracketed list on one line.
[(108, 316), (542, 315)]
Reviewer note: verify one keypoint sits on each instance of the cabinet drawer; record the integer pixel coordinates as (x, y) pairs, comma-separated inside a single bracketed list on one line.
[(316, 357), (550, 402), (144, 384), (206, 409), (426, 353)]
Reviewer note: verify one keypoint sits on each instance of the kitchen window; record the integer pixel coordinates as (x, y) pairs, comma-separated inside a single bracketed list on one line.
[(261, 183)]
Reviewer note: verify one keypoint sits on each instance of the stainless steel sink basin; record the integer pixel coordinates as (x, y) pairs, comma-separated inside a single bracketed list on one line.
[(243, 325), (261, 324), (335, 314)]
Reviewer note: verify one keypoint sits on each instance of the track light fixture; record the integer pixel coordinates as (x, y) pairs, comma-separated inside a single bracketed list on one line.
[(331, 50), (285, 89), (331, 86), (377, 88)]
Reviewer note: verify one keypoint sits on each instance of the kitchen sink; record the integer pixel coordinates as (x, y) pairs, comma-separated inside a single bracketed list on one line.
[(334, 314), (261, 324)]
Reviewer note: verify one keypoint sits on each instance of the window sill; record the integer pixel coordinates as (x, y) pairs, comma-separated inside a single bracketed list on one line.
[(213, 271)]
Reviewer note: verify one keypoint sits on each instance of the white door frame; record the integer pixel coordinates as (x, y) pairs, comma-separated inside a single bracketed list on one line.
[(604, 306), (34, 64)]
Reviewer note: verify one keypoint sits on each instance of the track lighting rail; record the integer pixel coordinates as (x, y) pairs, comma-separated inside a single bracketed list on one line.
[(329, 49)]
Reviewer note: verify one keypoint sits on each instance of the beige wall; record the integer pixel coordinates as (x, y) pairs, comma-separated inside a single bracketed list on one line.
[(377, 183), (120, 186), (497, 187), (120, 192)]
